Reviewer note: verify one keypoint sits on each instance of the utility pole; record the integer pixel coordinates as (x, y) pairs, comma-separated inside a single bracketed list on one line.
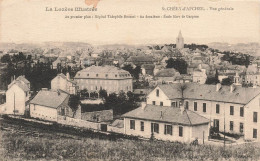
[(14, 104), (224, 128)]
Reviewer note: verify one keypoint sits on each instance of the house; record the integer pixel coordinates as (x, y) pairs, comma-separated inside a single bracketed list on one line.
[(166, 123), (140, 60), (64, 83), (109, 78), (199, 75), (166, 76), (234, 107), (48, 104), (147, 69), (17, 95)]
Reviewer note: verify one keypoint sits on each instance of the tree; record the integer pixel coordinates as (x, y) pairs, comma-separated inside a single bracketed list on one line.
[(226, 81), (74, 102), (179, 64), (6, 58), (133, 71), (102, 93)]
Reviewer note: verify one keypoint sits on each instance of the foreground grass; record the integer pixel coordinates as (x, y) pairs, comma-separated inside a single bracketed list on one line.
[(17, 146)]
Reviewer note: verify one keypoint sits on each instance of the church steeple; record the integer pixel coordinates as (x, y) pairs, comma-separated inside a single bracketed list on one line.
[(180, 35), (180, 41)]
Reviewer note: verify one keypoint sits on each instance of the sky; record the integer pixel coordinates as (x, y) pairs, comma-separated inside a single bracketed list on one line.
[(27, 21)]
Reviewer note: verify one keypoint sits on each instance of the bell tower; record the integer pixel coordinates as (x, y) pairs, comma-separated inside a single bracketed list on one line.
[(180, 41)]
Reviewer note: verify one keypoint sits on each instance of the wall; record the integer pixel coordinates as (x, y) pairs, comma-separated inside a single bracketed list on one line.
[(17, 102), (250, 108), (98, 116), (187, 131), (43, 112), (109, 85), (162, 98)]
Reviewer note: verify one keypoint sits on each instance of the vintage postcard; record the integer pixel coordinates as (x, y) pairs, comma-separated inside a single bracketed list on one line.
[(129, 80)]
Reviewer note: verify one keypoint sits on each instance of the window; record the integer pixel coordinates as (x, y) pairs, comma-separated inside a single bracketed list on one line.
[(157, 92), (96, 75), (217, 108), (242, 111), (142, 125), (174, 104), (231, 125), (161, 103), (187, 105), (254, 133), (116, 75), (241, 127), (154, 127), (231, 110), (195, 106), (168, 129), (106, 75), (153, 102), (132, 124), (204, 107), (180, 131), (255, 117)]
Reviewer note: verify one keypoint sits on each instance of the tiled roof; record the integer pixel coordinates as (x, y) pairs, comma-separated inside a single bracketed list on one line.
[(22, 78), (103, 72), (49, 98), (22, 82), (171, 72), (140, 59), (167, 114), (239, 95)]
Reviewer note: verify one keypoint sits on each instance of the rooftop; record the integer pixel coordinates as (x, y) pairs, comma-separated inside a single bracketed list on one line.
[(170, 72), (50, 98), (167, 114), (239, 95), (103, 72)]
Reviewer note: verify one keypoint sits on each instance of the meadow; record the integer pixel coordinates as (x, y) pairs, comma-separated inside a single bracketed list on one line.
[(22, 142)]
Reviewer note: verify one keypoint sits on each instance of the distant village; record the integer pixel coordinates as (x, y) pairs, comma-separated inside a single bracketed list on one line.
[(172, 92)]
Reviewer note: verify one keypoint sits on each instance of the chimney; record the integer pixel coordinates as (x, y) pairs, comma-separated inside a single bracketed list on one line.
[(143, 105), (161, 117), (68, 76), (182, 107), (218, 86)]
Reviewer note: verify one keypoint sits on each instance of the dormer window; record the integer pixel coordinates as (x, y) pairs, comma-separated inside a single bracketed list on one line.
[(106, 75), (96, 75), (116, 75), (87, 74)]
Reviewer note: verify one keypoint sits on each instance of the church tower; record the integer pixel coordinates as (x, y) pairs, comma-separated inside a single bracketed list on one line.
[(180, 41)]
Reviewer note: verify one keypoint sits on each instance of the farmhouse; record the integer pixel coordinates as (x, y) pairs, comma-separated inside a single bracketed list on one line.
[(235, 107), (48, 104)]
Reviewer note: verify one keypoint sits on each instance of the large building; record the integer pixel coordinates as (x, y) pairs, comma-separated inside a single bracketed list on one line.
[(17, 95), (180, 41), (109, 78), (235, 107)]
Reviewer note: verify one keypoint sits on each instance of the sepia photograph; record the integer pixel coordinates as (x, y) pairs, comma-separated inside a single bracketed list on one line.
[(153, 80)]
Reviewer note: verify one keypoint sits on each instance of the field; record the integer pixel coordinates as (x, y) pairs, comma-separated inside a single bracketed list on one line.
[(23, 141)]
